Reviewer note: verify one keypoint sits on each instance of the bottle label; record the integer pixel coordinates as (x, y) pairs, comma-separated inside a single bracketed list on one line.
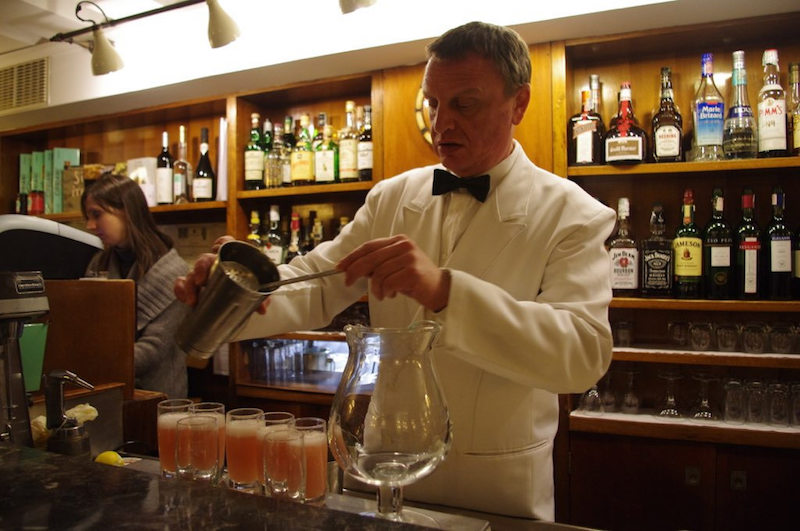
[(796, 131), (740, 111), (274, 253), (348, 158), (780, 254), (253, 166), (624, 148), (668, 141), (202, 188), (286, 172), (797, 264), (179, 181), (164, 185), (657, 274), (771, 124), (624, 268), (365, 155), (750, 248), (720, 256), (708, 123), (324, 162), (688, 257), (301, 167), (583, 136)]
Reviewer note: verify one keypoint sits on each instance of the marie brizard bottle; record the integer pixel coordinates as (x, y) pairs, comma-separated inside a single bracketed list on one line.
[(625, 141), (624, 255), (204, 184), (718, 251), (771, 110), (182, 170), (739, 136), (748, 250), (585, 132), (778, 250), (687, 252), (254, 156), (656, 253), (165, 186), (667, 124), (709, 115)]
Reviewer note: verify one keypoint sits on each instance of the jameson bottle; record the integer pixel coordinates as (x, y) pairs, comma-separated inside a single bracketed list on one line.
[(585, 132), (165, 185), (771, 110), (656, 255), (778, 250), (687, 251), (748, 250), (204, 184), (254, 156), (625, 141), (739, 137), (718, 251), (624, 255), (667, 124), (708, 111)]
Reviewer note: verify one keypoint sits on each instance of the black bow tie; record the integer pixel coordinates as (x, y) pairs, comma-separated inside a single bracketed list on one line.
[(444, 181)]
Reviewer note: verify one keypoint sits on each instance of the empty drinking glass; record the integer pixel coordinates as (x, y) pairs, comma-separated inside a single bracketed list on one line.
[(727, 335), (794, 411), (669, 407), (703, 409), (756, 401), (778, 404), (754, 338), (678, 333), (701, 336), (735, 402), (630, 400), (591, 402), (781, 338)]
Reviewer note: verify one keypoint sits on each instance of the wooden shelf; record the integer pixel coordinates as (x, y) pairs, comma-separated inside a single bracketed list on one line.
[(313, 336), (648, 425), (690, 357), (160, 209), (310, 189), (638, 303), (659, 168)]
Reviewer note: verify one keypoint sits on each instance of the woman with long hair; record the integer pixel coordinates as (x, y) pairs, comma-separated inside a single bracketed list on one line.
[(115, 210)]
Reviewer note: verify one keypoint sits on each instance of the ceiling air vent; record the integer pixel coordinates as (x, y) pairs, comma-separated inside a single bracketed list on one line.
[(24, 85)]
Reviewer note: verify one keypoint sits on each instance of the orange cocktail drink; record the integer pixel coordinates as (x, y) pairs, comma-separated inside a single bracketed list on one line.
[(169, 412), (244, 429)]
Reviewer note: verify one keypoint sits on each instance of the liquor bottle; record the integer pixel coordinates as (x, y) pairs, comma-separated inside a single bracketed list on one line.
[(204, 184), (771, 109), (326, 158), (624, 255), (343, 220), (266, 138), (364, 147), (306, 229), (254, 237), (274, 169), (687, 253), (348, 146), (708, 112), (625, 142), (718, 251), (778, 250), (667, 124), (793, 110), (293, 249), (302, 157), (322, 121), (288, 132), (182, 171), (274, 244), (748, 250), (739, 137), (657, 257), (165, 186), (585, 132), (254, 156), (796, 265), (316, 233)]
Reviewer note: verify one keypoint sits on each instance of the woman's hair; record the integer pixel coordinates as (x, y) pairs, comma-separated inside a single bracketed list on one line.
[(122, 195)]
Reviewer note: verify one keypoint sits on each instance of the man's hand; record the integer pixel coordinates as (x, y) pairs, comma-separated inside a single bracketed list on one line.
[(397, 265)]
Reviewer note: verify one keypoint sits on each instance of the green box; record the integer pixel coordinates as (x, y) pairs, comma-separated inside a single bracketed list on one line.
[(31, 348), (62, 158), (37, 171), (48, 181), (24, 173)]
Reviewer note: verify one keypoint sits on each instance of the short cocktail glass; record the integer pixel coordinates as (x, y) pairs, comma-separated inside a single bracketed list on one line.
[(284, 463), (274, 484), (315, 453), (196, 448), (169, 412), (217, 410), (244, 429)]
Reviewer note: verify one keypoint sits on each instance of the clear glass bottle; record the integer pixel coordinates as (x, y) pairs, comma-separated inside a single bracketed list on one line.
[(771, 109), (624, 254), (326, 158), (793, 110), (348, 146), (687, 252), (667, 124), (181, 170), (748, 250), (585, 131), (274, 244), (739, 135), (708, 112), (165, 183), (364, 147), (778, 250), (302, 155), (254, 156), (656, 252), (275, 159), (204, 184), (625, 142), (718, 251)]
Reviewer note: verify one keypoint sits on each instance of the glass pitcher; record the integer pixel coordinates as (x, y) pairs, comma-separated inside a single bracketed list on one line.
[(389, 424)]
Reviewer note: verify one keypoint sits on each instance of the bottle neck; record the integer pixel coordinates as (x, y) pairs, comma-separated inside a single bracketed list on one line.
[(739, 80), (748, 204), (624, 227), (688, 214), (771, 74), (717, 207)]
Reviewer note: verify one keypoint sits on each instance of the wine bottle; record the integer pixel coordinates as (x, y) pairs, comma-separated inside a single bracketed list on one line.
[(624, 255), (739, 137), (364, 147), (254, 156), (182, 170), (708, 112), (718, 251), (165, 186), (625, 142), (687, 252), (667, 124), (348, 146), (778, 250), (657, 257), (771, 110), (204, 184), (748, 250), (585, 131)]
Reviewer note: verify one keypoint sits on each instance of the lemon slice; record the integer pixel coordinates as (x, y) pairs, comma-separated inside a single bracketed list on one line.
[(110, 458)]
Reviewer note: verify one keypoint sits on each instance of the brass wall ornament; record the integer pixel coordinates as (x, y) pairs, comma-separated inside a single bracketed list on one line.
[(423, 117)]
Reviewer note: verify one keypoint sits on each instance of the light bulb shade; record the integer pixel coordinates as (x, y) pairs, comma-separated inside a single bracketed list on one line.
[(105, 58), (348, 6), (222, 29)]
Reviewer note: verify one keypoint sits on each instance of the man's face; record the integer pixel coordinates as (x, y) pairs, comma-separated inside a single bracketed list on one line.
[(472, 118)]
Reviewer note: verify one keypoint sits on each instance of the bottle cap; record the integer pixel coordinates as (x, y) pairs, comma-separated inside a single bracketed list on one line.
[(623, 207), (594, 81), (738, 59), (770, 57), (707, 63)]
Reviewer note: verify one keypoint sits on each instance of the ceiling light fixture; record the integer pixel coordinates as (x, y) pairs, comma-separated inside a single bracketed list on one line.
[(348, 6), (222, 30)]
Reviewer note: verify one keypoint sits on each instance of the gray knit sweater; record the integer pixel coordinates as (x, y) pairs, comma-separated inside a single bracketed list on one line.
[(159, 364)]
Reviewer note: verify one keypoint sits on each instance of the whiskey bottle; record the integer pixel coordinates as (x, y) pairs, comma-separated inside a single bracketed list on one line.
[(748, 250), (182, 170), (708, 112), (739, 138), (364, 147), (326, 158), (204, 184), (667, 124), (771, 110), (348, 146), (718, 251), (793, 110), (625, 142), (274, 244), (254, 156), (165, 184), (687, 252), (302, 165), (585, 132), (657, 257), (624, 255), (778, 250)]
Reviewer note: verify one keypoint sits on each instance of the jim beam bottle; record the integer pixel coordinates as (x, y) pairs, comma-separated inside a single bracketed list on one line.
[(624, 255)]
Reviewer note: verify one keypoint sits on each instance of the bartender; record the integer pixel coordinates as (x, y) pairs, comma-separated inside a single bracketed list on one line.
[(506, 257)]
